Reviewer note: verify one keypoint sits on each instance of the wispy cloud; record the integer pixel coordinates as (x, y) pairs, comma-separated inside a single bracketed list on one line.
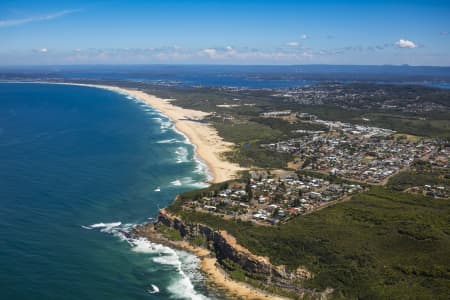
[(293, 44), (42, 18), (304, 37)]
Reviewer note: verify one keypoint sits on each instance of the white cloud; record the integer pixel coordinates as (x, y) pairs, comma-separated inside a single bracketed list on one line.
[(304, 37), (43, 50), (18, 22), (293, 44), (211, 52), (406, 44)]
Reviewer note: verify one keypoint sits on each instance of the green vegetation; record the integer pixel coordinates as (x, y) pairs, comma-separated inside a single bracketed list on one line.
[(199, 241), (421, 174), (382, 244), (248, 137), (169, 233), (411, 124), (237, 273), (330, 178), (243, 125), (286, 127), (252, 155), (246, 132)]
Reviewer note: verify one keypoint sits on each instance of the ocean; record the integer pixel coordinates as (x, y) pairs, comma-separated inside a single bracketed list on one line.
[(80, 166), (234, 76)]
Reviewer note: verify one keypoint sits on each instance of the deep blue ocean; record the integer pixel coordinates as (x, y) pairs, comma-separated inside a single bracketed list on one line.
[(78, 166)]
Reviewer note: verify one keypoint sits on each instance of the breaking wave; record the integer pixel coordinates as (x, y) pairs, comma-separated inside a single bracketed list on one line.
[(168, 141), (185, 264), (188, 181), (164, 123), (154, 290), (182, 155)]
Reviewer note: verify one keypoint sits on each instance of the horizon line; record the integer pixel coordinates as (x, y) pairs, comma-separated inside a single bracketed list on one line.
[(222, 65)]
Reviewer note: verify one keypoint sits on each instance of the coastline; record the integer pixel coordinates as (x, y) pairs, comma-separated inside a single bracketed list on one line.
[(209, 266), (208, 145)]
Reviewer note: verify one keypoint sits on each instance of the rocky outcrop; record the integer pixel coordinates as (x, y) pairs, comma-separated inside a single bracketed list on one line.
[(225, 247)]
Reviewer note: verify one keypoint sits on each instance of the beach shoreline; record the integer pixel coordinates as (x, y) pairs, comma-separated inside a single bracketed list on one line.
[(208, 145)]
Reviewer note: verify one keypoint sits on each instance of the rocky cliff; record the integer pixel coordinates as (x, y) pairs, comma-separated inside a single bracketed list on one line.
[(226, 248)]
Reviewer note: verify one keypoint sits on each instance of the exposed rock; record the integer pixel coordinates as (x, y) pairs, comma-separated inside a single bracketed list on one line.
[(225, 247)]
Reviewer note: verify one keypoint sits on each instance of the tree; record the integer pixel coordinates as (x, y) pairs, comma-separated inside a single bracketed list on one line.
[(248, 190)]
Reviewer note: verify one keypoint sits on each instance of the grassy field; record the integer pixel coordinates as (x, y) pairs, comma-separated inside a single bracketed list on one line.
[(382, 244)]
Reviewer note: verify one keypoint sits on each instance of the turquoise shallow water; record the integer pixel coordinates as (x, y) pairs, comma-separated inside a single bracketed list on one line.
[(71, 159)]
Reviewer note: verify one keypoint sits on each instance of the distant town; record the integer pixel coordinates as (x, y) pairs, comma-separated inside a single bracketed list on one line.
[(357, 152)]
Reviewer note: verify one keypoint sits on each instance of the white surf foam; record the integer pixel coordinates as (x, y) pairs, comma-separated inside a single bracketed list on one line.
[(168, 141), (104, 227), (164, 123), (201, 167), (188, 181), (176, 182), (154, 289), (182, 155), (185, 264)]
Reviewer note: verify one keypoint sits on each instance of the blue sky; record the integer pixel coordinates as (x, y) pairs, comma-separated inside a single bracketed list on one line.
[(225, 32)]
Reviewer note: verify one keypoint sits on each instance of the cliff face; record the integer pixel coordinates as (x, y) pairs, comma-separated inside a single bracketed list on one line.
[(226, 247)]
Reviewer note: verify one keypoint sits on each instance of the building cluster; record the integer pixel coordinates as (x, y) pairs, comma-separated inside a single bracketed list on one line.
[(435, 191), (441, 157), (269, 200), (356, 152), (276, 114), (357, 97)]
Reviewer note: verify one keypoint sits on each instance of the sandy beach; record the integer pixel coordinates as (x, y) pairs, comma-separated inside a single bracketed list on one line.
[(209, 146)]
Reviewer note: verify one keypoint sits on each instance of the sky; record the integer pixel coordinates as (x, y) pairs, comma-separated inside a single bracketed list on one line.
[(225, 32)]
